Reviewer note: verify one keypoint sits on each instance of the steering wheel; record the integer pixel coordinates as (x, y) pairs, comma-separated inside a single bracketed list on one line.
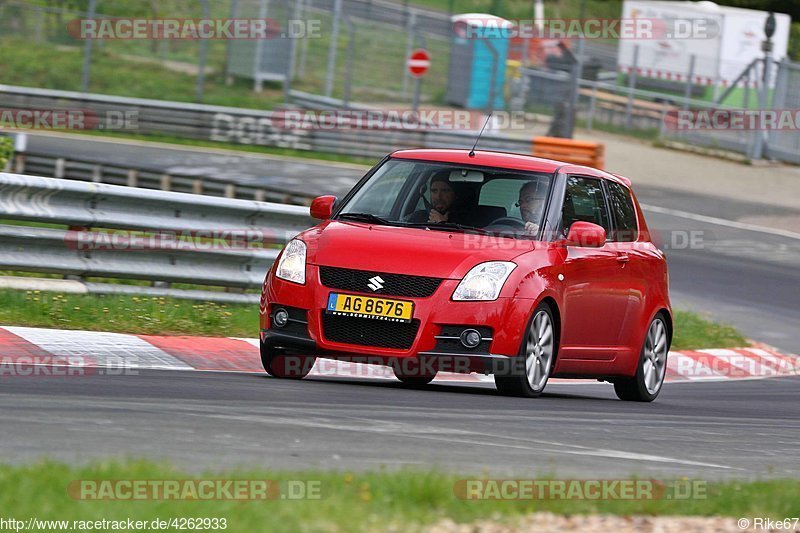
[(508, 221)]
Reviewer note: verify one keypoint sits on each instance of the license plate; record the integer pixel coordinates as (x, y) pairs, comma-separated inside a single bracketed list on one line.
[(369, 307)]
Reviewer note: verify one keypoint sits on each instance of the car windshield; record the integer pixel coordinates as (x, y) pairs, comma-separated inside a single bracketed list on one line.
[(452, 197)]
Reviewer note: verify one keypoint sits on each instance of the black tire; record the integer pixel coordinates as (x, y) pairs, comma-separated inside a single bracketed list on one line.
[(636, 389), (280, 365), (514, 380)]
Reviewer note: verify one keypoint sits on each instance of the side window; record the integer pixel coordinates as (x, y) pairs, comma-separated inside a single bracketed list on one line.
[(584, 200), (621, 204)]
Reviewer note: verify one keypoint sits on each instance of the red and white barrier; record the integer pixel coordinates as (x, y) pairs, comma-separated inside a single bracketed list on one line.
[(92, 349)]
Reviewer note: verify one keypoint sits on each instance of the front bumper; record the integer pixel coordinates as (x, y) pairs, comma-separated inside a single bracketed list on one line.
[(502, 321)]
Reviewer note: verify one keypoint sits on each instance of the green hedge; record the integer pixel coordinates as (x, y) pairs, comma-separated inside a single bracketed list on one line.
[(6, 150)]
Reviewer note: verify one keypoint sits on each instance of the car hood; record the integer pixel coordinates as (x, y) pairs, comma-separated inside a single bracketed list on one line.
[(414, 251)]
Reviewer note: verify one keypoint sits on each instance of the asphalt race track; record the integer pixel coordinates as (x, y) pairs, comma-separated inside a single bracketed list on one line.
[(206, 420), (750, 279)]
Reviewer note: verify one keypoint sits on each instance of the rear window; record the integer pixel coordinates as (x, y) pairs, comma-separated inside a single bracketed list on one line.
[(621, 204)]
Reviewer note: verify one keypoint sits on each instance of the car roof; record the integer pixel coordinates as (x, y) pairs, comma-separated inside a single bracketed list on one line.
[(488, 158)]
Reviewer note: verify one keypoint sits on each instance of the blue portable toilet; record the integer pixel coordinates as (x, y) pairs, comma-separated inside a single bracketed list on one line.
[(478, 54)]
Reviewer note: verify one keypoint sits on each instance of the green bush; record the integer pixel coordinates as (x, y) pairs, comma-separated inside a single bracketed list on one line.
[(6, 150), (794, 42)]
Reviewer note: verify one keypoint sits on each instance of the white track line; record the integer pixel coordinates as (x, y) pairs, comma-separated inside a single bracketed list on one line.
[(721, 221)]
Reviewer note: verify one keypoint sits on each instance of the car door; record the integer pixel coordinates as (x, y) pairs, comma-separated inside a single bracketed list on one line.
[(596, 281), (634, 256)]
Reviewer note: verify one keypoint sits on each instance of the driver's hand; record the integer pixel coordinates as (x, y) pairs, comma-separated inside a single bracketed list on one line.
[(436, 216), (531, 228)]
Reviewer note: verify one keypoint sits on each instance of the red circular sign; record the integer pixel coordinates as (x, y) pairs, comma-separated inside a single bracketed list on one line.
[(418, 63)]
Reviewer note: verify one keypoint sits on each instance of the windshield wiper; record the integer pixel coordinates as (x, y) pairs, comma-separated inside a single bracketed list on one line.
[(449, 226), (365, 217)]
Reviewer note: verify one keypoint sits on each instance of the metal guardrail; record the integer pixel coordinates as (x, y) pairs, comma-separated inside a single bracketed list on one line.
[(69, 214), (41, 164), (244, 126)]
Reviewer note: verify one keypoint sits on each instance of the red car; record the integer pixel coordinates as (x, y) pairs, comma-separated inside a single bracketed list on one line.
[(449, 260)]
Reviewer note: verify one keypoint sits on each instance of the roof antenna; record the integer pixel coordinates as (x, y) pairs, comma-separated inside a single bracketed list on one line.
[(472, 152)]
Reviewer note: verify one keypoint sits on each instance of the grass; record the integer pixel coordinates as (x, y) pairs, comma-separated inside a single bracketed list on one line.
[(693, 331), (165, 316), (48, 66), (404, 500), (127, 314)]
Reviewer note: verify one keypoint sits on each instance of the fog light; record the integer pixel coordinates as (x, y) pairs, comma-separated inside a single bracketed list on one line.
[(280, 318), (470, 338)]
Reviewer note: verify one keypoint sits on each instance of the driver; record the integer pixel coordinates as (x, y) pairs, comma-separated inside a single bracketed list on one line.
[(443, 201), (532, 197)]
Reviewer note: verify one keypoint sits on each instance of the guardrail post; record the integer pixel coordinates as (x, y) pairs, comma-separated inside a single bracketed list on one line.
[(133, 178), (197, 186), (60, 166), (19, 165), (662, 123), (260, 195), (97, 173), (230, 190), (631, 87), (166, 182)]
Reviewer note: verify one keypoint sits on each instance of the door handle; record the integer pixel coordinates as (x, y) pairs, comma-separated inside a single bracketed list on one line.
[(623, 258)]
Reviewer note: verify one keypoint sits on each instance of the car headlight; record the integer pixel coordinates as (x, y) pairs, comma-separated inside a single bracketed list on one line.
[(292, 264), (484, 281)]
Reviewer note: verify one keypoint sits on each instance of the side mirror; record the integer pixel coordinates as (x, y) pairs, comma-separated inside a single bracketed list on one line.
[(322, 207), (586, 234)]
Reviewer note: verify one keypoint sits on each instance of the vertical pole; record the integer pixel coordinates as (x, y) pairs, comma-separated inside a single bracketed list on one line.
[(262, 14), (87, 51), (234, 13), (417, 90), (201, 67), (417, 82), (301, 70), (351, 48), (763, 98), (411, 22), (290, 64), (337, 13), (631, 87), (688, 93), (746, 92), (592, 105), (577, 72)]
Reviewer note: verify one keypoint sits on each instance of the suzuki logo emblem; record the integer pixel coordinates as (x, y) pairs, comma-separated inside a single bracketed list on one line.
[(375, 283)]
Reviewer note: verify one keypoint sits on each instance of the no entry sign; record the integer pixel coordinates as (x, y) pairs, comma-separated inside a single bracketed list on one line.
[(418, 63)]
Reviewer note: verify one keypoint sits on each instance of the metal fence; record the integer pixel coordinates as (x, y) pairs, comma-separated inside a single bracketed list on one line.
[(628, 102), (355, 50), (246, 126), (231, 243)]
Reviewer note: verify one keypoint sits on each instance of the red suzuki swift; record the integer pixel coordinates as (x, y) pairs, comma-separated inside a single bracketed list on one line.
[(449, 260)]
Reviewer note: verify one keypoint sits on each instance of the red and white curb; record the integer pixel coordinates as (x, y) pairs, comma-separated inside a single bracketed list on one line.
[(24, 346)]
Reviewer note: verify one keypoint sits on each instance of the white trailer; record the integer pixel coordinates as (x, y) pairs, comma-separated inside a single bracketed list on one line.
[(723, 41)]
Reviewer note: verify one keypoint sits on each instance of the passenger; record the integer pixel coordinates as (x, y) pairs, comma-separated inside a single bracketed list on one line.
[(531, 202)]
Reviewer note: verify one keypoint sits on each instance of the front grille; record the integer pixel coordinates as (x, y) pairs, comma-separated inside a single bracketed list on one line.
[(393, 284), (369, 332)]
